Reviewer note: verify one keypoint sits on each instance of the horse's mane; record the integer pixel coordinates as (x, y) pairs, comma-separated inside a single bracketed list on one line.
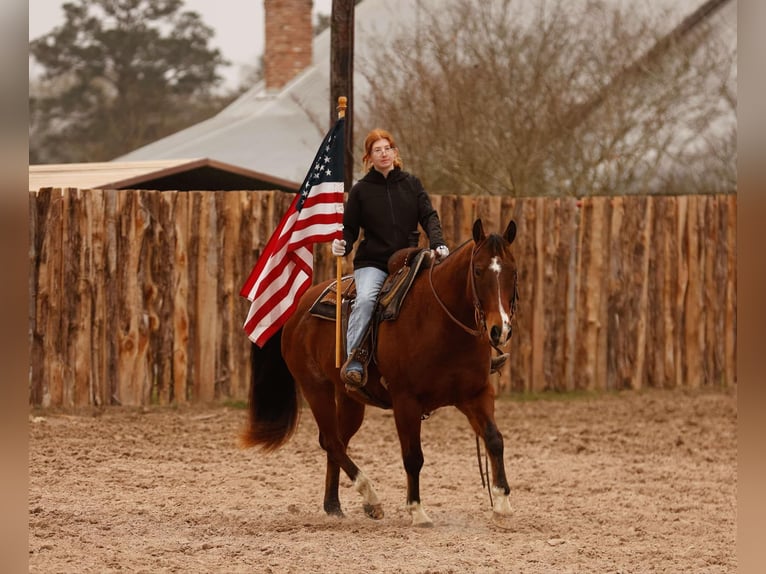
[(494, 240)]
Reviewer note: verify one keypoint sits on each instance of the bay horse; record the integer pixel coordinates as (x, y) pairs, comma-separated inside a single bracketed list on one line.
[(436, 353)]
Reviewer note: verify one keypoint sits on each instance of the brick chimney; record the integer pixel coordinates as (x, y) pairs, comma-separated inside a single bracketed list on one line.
[(288, 40)]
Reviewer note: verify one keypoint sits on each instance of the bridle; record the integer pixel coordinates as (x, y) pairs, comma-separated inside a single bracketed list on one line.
[(479, 316)]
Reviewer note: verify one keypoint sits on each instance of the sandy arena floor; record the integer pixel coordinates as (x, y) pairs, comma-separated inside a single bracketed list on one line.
[(635, 482)]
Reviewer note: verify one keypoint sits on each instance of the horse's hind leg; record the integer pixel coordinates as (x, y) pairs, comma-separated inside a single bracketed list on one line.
[(336, 427), (480, 414), (331, 484)]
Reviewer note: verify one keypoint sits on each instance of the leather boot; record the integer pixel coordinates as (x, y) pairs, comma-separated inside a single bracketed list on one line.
[(496, 363)]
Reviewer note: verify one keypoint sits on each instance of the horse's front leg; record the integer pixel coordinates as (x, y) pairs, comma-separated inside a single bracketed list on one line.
[(331, 484), (493, 439), (481, 415), (408, 424)]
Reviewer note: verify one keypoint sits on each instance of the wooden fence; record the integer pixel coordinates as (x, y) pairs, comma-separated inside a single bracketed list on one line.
[(135, 294)]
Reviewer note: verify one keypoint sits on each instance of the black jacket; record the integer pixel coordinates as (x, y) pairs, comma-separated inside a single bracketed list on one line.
[(389, 210)]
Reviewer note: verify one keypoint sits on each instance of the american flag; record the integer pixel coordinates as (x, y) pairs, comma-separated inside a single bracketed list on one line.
[(283, 271)]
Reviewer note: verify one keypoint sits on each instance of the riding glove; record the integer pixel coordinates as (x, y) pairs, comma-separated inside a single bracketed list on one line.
[(339, 247), (442, 251)]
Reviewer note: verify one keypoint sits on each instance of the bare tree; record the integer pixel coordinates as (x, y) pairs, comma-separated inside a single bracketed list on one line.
[(557, 97)]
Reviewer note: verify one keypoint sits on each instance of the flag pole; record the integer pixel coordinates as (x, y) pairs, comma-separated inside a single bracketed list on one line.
[(338, 268)]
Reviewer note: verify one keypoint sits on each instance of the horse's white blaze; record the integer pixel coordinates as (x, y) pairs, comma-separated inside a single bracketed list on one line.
[(363, 486), (504, 314), (501, 502), (419, 516)]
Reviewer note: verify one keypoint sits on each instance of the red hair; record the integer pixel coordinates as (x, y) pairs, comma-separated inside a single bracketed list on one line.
[(372, 137)]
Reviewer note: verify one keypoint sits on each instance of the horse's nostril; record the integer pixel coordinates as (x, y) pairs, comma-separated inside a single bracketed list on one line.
[(495, 333)]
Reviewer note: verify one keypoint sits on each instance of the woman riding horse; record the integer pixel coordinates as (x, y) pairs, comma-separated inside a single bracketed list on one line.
[(436, 353)]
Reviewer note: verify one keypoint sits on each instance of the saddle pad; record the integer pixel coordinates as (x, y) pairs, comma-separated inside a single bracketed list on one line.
[(324, 306)]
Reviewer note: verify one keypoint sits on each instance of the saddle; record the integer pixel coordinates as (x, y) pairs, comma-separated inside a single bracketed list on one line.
[(403, 267)]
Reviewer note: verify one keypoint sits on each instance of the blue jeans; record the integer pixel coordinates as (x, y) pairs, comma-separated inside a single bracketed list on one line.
[(368, 281)]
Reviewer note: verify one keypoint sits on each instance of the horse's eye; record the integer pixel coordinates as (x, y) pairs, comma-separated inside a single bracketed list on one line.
[(477, 272)]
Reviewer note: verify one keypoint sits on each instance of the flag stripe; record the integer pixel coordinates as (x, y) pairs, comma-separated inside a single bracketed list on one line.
[(284, 270), (261, 329)]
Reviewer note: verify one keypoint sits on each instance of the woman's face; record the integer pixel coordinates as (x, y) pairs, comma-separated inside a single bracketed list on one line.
[(383, 155)]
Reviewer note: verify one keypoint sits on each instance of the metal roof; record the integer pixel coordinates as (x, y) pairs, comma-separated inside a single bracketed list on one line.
[(165, 174), (279, 132)]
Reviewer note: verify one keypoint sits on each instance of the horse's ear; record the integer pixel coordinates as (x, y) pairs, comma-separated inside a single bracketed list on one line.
[(478, 231), (510, 231)]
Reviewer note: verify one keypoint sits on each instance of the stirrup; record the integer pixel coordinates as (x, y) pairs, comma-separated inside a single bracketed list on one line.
[(353, 379), (496, 363)]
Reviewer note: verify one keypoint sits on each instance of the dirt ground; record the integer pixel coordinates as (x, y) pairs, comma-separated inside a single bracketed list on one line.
[(634, 482)]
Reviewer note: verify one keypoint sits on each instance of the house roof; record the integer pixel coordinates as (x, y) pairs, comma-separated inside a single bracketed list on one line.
[(178, 174), (278, 133)]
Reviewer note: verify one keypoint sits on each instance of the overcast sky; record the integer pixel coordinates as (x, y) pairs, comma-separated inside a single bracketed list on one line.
[(238, 26)]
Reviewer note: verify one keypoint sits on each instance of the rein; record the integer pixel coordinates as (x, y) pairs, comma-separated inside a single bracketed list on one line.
[(478, 311)]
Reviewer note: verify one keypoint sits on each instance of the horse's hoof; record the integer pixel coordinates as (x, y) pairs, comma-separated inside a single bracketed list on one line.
[(334, 510), (502, 502), (503, 521), (419, 516), (374, 511)]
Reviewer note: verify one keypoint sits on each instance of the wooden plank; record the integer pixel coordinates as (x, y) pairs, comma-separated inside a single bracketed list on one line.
[(465, 215), (132, 331), (556, 230), (676, 276), (227, 205), (538, 382), (182, 370), (55, 291), (569, 244), (488, 209), (641, 265), (81, 307), (242, 265), (617, 294), (603, 245), (112, 296), (591, 351), (517, 372), (39, 228), (693, 334), (626, 291), (205, 301), (158, 293), (526, 256), (99, 388), (447, 215), (714, 253)]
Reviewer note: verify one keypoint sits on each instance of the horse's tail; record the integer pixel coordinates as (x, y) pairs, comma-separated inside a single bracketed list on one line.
[(273, 398)]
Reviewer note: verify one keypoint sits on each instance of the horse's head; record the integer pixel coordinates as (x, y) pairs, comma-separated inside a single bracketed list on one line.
[(494, 276)]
